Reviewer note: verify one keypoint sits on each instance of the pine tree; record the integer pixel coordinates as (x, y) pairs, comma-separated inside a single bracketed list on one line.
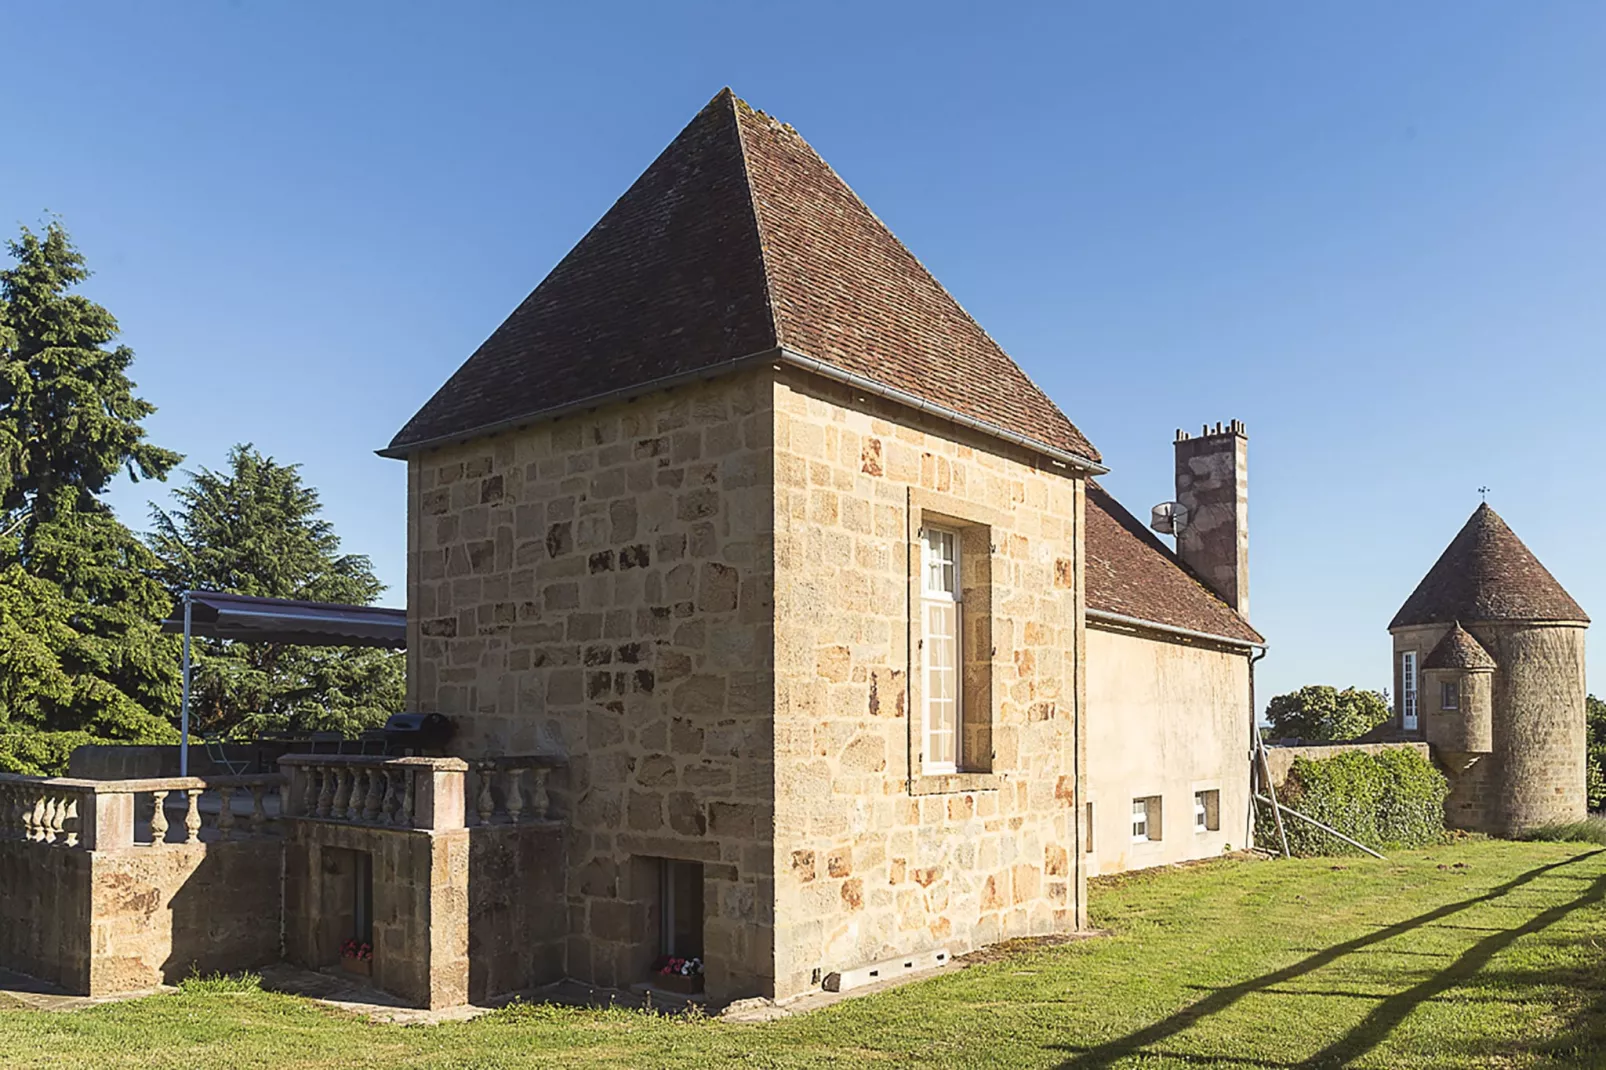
[(81, 606), (255, 529)]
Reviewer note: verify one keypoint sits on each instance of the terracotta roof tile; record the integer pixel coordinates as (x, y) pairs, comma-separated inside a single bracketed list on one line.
[(736, 240), (1458, 650), (1131, 572), (1485, 574)]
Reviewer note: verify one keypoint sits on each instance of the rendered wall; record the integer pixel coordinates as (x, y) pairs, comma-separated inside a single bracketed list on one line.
[(600, 587), (1166, 718), (872, 858)]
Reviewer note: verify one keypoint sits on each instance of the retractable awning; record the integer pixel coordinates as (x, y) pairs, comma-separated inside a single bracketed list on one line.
[(215, 615)]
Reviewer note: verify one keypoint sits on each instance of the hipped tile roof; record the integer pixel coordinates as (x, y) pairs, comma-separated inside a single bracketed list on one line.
[(1458, 650), (737, 240), (1487, 574), (1132, 573)]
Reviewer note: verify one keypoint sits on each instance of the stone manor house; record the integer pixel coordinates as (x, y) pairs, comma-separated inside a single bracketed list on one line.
[(782, 623)]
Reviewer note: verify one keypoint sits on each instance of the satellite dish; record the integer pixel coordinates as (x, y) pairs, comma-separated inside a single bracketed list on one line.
[(1169, 518)]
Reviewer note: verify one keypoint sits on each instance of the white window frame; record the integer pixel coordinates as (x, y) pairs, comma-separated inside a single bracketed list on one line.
[(1201, 814), (941, 585), (1408, 689), (1142, 830)]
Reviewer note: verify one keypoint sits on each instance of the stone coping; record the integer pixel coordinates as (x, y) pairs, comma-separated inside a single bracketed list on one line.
[(448, 765), (127, 787)]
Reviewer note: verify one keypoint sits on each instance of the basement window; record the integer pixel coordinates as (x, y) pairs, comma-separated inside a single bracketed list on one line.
[(1207, 810), (681, 909), (1146, 819)]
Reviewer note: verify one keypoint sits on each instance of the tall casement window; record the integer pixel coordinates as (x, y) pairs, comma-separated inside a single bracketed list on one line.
[(1408, 688), (942, 619)]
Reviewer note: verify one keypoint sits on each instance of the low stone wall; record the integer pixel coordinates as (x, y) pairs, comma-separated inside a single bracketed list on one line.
[(1281, 759), (159, 914), (45, 912), (518, 923)]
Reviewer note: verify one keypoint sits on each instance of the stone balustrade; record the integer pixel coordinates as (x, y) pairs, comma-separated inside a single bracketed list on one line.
[(417, 793), (404, 793), (512, 789), (110, 814)]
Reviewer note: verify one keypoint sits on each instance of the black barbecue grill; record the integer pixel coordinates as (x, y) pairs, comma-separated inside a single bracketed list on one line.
[(417, 733)]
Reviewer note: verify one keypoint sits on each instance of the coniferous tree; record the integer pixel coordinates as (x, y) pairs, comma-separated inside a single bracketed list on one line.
[(255, 529), (81, 606)]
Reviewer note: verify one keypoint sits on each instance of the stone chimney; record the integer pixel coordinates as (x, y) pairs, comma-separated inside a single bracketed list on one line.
[(1213, 484)]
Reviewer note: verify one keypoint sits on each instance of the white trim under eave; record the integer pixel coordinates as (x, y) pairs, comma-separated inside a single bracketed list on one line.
[(1170, 629)]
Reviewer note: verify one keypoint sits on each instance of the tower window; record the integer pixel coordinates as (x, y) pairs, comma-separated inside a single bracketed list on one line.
[(1449, 695), (1408, 689)]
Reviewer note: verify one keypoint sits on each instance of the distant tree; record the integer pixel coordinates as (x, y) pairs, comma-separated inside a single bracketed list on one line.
[(1322, 713), (255, 529), (81, 646), (1595, 712)]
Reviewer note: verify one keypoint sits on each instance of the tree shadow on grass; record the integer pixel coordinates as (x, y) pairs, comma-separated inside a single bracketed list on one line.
[(1376, 1026)]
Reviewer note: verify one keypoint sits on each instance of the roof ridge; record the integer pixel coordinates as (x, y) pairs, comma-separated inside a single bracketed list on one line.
[(792, 131), (737, 106)]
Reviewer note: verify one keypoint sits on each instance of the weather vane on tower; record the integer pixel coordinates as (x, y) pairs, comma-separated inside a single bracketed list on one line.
[(1484, 491)]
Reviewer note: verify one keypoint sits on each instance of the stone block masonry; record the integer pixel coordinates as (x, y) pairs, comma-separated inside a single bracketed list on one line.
[(874, 858), (600, 587)]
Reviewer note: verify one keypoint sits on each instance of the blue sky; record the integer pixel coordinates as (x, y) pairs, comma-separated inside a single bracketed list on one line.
[(1374, 232)]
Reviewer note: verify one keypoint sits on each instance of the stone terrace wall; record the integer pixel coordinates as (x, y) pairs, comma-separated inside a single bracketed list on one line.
[(44, 912), (600, 586), (871, 862)]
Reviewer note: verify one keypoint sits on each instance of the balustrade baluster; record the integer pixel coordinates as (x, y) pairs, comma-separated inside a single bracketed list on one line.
[(326, 790), (409, 779), (387, 804), (342, 777), (49, 823), (376, 795), (515, 797), (225, 813), (487, 804), (159, 818), (312, 777), (259, 813), (192, 816), (540, 801), (69, 821)]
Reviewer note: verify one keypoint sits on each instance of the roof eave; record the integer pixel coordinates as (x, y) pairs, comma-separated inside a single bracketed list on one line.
[(1172, 629), (783, 354)]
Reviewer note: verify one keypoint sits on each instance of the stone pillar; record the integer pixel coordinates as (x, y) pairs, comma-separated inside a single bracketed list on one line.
[(1213, 485)]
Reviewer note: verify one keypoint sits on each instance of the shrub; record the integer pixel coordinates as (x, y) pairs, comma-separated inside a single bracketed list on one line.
[(1394, 798), (40, 753)]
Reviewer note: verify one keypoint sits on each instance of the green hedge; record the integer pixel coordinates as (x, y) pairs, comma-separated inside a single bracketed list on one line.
[(1394, 798), (40, 753)]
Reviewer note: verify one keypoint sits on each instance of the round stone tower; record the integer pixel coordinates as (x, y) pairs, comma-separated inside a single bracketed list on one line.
[(1489, 668)]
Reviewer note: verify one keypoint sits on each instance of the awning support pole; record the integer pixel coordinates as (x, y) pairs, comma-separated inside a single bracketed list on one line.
[(184, 701)]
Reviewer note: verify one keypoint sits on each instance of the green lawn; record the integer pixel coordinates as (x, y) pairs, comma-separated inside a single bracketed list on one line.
[(1482, 954)]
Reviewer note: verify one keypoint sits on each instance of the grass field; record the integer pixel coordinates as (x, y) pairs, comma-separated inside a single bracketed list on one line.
[(1482, 954)]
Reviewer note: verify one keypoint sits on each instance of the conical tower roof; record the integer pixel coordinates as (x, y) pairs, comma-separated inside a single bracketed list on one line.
[(1459, 649), (1487, 574), (738, 242)]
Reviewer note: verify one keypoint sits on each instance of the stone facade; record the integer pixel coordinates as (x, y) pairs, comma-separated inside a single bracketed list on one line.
[(873, 858), (1167, 718), (701, 599), (600, 587)]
